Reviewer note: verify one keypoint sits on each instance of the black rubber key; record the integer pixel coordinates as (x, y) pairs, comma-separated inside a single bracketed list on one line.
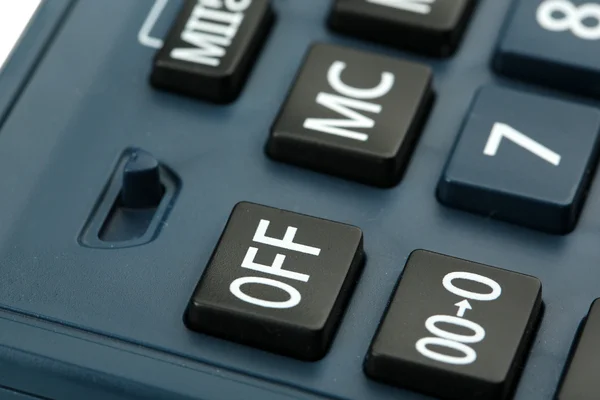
[(278, 280), (211, 48), (353, 114), (433, 27), (456, 329), (580, 379)]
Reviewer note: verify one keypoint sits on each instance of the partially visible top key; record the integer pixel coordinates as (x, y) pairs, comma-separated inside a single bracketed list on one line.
[(580, 380), (433, 27), (211, 48), (554, 43)]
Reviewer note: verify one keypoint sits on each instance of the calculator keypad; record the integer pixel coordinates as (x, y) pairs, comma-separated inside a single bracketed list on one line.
[(523, 158), (87, 100)]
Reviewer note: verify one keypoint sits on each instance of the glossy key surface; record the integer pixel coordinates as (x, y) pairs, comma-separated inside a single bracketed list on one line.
[(463, 325), (554, 43), (211, 48), (354, 114), (283, 293), (523, 158)]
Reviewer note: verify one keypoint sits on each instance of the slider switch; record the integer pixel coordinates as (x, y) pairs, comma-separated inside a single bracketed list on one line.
[(142, 187)]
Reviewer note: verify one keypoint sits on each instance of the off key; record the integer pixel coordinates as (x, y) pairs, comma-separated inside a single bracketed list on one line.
[(278, 280), (456, 329)]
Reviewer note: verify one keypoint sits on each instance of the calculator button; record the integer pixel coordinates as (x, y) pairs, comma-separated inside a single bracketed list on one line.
[(580, 379), (523, 158), (211, 48), (456, 329), (432, 27), (353, 114), (278, 281), (555, 43)]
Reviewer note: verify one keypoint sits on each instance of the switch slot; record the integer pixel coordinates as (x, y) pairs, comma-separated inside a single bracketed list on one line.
[(136, 201)]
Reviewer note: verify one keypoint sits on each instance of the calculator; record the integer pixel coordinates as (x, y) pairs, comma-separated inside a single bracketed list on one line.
[(299, 199)]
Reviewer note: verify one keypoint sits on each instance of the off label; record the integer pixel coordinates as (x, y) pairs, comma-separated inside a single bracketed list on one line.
[(275, 270)]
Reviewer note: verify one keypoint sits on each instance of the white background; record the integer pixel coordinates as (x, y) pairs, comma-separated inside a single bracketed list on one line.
[(14, 18)]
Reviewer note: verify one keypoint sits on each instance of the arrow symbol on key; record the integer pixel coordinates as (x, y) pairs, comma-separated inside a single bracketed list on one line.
[(462, 307)]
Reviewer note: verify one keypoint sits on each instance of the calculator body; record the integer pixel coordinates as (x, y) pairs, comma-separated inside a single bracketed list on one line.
[(80, 321)]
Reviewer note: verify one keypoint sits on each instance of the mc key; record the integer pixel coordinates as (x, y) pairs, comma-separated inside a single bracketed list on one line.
[(353, 114), (278, 281), (456, 329)]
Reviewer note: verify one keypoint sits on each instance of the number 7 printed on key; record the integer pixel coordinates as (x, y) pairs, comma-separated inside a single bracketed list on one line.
[(500, 130)]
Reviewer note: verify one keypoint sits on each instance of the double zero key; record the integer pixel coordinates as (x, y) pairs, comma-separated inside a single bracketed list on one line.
[(456, 329), (278, 280)]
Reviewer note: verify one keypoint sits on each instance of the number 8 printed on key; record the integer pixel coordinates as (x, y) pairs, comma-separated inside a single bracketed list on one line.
[(562, 15)]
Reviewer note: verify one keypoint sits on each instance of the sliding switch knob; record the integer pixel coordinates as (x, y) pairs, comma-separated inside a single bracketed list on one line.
[(141, 181)]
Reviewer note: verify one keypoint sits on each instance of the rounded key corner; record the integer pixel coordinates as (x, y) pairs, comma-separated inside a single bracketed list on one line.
[(369, 365), (418, 253), (318, 45), (498, 60), (538, 283), (185, 317), (387, 182), (313, 357), (242, 206), (448, 191), (500, 381), (443, 186), (270, 147), (193, 307), (595, 303), (454, 28), (154, 80), (429, 91), (242, 203), (359, 232)]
